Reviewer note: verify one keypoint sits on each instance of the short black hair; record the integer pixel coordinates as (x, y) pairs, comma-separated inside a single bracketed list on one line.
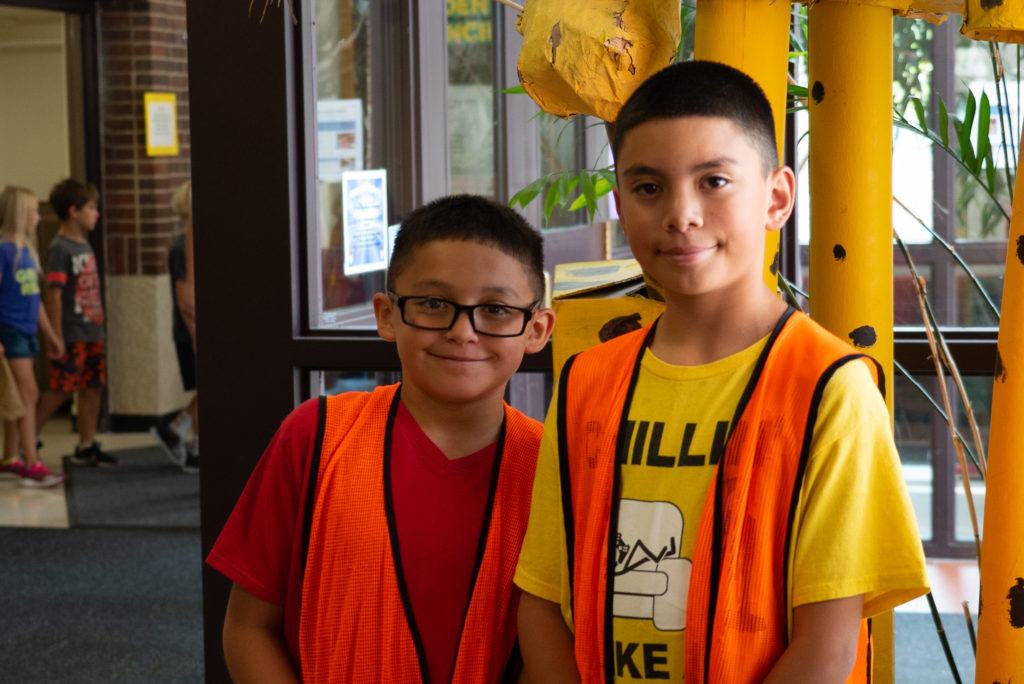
[(71, 193), (700, 88), (470, 218)]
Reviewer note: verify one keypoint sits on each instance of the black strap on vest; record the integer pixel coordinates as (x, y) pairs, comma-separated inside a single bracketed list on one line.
[(565, 476), (805, 455), (312, 477)]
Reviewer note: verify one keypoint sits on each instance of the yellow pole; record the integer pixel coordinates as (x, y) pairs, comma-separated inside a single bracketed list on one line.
[(1001, 623), (850, 118), (752, 36)]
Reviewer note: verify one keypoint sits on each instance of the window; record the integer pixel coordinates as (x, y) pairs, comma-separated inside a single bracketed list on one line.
[(343, 135), (472, 104)]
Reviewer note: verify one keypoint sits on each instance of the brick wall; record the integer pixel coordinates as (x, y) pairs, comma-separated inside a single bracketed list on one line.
[(143, 49)]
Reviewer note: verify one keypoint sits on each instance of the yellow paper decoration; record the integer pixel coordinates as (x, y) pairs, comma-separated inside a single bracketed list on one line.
[(588, 56), (999, 20)]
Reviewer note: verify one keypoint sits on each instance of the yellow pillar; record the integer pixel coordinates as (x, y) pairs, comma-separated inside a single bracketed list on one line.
[(752, 36), (1001, 623), (850, 119)]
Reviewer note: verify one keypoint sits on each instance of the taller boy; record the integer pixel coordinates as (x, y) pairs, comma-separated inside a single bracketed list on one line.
[(74, 304), (718, 494)]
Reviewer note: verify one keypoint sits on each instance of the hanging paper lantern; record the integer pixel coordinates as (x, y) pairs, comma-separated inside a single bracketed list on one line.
[(588, 56)]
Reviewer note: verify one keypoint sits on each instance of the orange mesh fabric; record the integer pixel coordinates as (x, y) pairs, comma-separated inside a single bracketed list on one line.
[(353, 625), (490, 627), (760, 469)]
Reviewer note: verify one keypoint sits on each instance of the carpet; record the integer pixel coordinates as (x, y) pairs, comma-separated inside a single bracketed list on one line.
[(143, 490), (95, 606), (919, 655)]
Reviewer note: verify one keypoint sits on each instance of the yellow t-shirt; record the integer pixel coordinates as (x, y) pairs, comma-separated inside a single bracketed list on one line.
[(855, 528)]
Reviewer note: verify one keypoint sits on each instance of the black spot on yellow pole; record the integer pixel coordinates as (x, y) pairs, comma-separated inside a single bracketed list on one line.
[(863, 337), (850, 143), (620, 325), (818, 92), (1020, 249), (1016, 598), (839, 253), (754, 38)]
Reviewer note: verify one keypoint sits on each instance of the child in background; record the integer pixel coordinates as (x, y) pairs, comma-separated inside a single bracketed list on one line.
[(377, 537), (170, 434), (21, 316), (74, 304)]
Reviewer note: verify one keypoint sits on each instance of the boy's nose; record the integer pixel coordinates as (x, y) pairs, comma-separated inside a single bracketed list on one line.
[(682, 212), (462, 328)]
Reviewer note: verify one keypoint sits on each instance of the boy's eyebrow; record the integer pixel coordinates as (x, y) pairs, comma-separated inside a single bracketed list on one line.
[(489, 290), (647, 170)]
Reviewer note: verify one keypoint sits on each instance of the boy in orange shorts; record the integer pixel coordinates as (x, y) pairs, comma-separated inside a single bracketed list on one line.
[(74, 305)]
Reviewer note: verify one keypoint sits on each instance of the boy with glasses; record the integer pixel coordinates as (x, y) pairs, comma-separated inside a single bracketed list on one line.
[(378, 536)]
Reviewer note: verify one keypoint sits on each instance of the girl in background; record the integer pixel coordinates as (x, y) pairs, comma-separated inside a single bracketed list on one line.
[(21, 316)]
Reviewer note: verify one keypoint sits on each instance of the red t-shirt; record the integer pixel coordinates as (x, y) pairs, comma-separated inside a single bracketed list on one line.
[(260, 547), (439, 509)]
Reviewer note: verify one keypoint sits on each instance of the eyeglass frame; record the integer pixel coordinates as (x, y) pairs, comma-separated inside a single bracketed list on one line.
[(469, 309)]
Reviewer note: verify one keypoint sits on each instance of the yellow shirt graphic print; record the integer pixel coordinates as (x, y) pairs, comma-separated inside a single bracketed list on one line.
[(678, 423), (28, 279)]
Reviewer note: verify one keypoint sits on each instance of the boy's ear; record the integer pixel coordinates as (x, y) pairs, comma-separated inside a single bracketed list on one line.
[(384, 310), (539, 330), (615, 194), (782, 195)]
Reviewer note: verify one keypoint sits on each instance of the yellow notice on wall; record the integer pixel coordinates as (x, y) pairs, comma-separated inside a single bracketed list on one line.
[(161, 124)]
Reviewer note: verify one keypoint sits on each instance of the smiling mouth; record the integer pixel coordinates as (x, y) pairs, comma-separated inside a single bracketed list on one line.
[(456, 359), (685, 253)]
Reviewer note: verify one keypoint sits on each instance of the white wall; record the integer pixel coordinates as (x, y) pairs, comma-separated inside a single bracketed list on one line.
[(34, 149)]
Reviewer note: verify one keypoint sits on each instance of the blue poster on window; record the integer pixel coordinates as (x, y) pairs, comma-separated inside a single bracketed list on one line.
[(364, 220)]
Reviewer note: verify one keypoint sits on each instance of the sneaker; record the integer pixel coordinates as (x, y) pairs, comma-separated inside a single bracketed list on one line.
[(93, 455), (14, 467), (83, 456), (39, 476), (191, 464), (169, 442)]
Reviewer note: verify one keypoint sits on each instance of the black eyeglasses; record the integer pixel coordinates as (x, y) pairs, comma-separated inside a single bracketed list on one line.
[(493, 320)]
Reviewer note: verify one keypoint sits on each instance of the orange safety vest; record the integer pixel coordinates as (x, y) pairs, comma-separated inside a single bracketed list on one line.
[(738, 608), (356, 622)]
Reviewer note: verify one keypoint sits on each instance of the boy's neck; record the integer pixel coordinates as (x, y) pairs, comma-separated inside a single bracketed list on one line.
[(695, 331), (457, 430), (72, 231)]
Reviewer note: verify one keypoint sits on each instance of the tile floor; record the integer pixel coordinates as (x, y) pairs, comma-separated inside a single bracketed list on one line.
[(23, 507)]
